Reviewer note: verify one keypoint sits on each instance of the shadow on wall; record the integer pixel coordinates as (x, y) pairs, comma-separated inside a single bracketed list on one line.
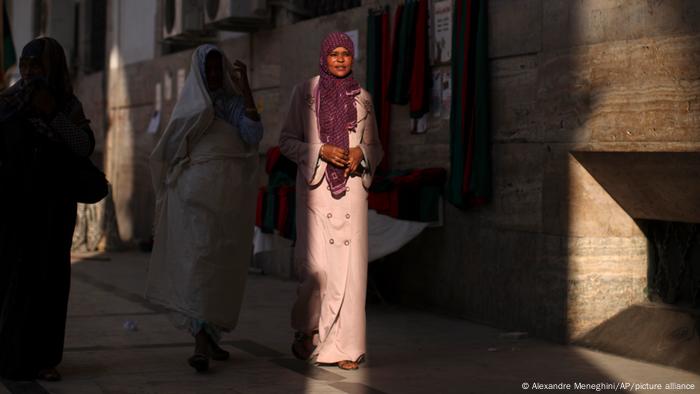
[(506, 264), (553, 254)]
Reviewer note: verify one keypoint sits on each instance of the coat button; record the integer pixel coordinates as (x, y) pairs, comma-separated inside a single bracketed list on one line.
[(332, 241), (347, 216), (329, 215), (347, 243)]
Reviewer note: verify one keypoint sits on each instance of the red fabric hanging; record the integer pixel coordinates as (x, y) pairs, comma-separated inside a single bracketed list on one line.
[(285, 194), (260, 207), (420, 62), (387, 52)]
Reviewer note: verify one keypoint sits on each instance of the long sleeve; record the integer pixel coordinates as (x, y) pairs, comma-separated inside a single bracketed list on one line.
[(295, 146), (370, 144), (232, 109), (78, 138), (70, 128)]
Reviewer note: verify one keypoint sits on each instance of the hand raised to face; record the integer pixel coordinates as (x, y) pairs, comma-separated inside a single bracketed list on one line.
[(239, 77)]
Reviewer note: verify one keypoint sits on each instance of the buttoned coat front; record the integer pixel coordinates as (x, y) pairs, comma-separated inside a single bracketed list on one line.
[(331, 247)]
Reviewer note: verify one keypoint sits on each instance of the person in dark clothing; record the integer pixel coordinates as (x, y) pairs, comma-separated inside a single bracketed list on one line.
[(42, 131)]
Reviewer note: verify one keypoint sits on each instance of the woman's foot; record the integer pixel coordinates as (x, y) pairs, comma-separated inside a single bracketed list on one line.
[(199, 361), (215, 351), (348, 365), (303, 346), (49, 375)]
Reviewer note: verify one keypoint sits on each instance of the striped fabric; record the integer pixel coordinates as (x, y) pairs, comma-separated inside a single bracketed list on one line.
[(470, 146)]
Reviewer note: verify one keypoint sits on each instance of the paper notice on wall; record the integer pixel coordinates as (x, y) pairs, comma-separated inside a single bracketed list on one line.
[(167, 86), (442, 29), (154, 123), (355, 37), (442, 92), (181, 74), (158, 102), (420, 125)]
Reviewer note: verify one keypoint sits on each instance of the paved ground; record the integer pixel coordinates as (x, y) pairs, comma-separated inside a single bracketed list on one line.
[(409, 351)]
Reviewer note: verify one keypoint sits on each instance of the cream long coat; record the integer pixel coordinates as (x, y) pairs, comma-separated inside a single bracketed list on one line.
[(331, 246)]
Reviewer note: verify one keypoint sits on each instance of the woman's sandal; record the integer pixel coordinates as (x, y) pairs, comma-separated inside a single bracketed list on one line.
[(351, 365), (348, 365), (199, 361), (49, 375), (216, 352), (300, 348)]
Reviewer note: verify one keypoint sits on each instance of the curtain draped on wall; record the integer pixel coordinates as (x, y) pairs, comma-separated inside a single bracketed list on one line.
[(421, 76), (398, 73), (403, 47), (470, 155), (378, 75)]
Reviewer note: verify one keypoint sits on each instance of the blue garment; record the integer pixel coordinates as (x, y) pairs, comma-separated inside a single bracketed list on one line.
[(232, 109), (197, 325), (229, 107)]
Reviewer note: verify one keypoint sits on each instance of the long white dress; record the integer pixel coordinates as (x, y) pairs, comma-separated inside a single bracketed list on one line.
[(331, 246), (205, 179)]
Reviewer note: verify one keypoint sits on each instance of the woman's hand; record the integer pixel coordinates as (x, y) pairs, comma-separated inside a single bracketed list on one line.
[(43, 102), (239, 77), (334, 155), (354, 158)]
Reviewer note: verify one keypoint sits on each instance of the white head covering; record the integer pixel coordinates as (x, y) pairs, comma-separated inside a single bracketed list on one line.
[(191, 116)]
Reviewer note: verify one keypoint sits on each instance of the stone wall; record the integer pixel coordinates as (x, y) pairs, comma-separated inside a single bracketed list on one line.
[(553, 254)]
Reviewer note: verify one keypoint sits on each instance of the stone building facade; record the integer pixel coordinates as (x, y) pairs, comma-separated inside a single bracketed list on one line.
[(554, 253)]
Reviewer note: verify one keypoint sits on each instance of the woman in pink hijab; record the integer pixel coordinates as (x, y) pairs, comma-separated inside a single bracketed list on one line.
[(331, 133)]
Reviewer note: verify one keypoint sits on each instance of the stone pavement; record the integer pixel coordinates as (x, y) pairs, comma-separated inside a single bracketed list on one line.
[(408, 351)]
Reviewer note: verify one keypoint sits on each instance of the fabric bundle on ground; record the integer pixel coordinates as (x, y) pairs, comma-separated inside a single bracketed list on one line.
[(275, 207), (470, 155), (409, 194)]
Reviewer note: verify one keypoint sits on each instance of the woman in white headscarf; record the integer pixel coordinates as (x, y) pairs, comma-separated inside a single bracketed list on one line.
[(204, 175)]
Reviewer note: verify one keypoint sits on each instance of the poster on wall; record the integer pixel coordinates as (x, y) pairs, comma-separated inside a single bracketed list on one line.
[(355, 37), (442, 92), (181, 75), (168, 86), (442, 32), (154, 123)]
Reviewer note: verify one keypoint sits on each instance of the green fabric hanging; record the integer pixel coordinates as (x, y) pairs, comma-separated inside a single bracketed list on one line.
[(480, 180), (372, 58), (404, 44), (470, 156), (457, 110)]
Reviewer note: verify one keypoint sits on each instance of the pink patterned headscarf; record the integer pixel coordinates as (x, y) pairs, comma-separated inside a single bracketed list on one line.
[(337, 115)]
